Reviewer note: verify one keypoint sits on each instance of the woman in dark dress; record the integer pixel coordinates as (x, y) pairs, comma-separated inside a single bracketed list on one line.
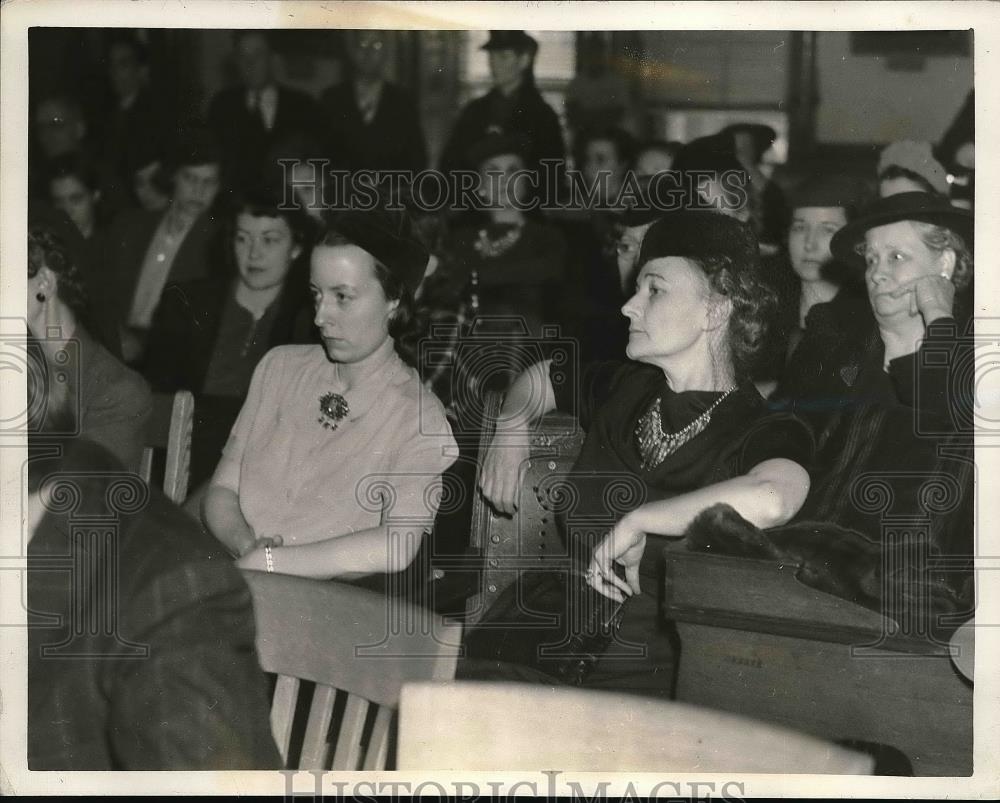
[(677, 429), (816, 293), (208, 335)]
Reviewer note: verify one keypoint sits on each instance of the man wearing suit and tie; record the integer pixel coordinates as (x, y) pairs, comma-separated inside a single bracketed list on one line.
[(373, 123), (249, 120), (146, 250)]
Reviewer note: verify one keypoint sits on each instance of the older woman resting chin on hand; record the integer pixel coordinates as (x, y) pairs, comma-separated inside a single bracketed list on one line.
[(331, 466), (682, 422)]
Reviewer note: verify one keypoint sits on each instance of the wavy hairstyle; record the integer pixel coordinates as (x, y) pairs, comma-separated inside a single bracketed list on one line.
[(754, 307), (47, 250)]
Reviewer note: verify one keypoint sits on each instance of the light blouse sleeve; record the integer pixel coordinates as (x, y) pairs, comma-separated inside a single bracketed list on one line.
[(416, 476), (227, 474)]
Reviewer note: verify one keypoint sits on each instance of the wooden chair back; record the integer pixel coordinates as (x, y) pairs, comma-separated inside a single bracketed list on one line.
[(474, 726), (169, 431), (529, 539), (352, 650)]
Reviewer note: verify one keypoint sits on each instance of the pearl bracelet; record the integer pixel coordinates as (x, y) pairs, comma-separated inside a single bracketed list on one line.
[(268, 560)]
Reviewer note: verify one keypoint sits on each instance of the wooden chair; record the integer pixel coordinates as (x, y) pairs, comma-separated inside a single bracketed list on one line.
[(353, 649), (785, 653), (170, 430), (529, 539), (473, 726)]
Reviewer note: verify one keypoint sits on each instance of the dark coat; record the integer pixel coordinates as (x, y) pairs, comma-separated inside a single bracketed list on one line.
[(246, 144), (167, 678), (394, 140), (529, 117), (128, 240)]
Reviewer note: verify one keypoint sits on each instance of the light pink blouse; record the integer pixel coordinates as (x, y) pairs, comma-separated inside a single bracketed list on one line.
[(296, 479)]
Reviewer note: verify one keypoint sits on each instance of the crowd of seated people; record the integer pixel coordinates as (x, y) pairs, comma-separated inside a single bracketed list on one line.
[(752, 350)]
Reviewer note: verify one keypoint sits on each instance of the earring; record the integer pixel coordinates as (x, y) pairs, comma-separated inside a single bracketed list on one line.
[(40, 297)]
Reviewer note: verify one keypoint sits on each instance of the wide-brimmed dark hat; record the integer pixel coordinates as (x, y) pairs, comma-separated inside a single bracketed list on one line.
[(699, 234), (496, 143), (924, 207), (511, 40), (389, 237)]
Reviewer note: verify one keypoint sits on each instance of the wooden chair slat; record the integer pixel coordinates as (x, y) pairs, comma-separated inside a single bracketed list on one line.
[(342, 637), (348, 753), (170, 428), (378, 746), (286, 692), (315, 744)]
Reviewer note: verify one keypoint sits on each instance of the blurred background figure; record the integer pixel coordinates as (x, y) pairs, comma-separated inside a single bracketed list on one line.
[(598, 96), (137, 121), (910, 166), (74, 189), (248, 119), (513, 106), (769, 210), (655, 156), (604, 156), (373, 123), (147, 249)]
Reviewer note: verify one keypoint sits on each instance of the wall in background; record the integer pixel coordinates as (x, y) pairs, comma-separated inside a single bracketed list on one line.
[(714, 68), (862, 100)]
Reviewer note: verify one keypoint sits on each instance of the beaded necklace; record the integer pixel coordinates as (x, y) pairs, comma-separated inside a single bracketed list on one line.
[(655, 445)]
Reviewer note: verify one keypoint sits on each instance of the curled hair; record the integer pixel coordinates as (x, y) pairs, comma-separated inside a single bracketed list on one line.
[(45, 250), (754, 306), (940, 239), (402, 320)]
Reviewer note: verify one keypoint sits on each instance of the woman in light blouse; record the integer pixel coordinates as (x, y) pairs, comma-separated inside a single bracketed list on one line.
[(333, 465)]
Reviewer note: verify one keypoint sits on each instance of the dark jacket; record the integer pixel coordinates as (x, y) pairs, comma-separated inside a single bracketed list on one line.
[(528, 116), (166, 678), (245, 142), (394, 140), (128, 240)]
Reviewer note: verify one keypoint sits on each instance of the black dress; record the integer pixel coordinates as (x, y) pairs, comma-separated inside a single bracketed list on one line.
[(607, 481)]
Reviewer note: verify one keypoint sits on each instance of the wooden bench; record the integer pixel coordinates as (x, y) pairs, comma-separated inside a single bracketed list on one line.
[(756, 641)]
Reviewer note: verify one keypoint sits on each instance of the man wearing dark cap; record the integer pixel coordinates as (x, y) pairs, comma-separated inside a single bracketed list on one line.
[(148, 250), (513, 106)]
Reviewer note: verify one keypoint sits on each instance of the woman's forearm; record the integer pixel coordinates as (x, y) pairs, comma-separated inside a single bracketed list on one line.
[(529, 397), (375, 550), (767, 496), (221, 512)]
